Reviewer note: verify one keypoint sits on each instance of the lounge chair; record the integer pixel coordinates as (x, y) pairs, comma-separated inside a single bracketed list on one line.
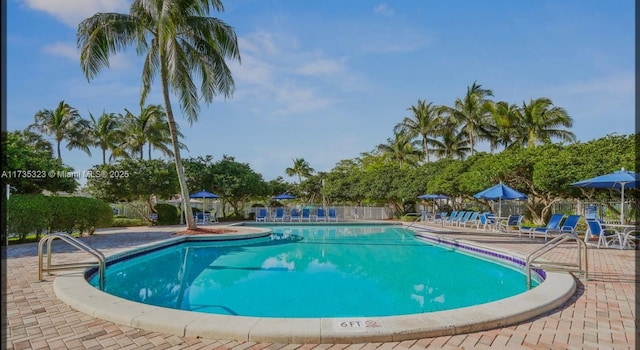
[(486, 220), (295, 215), (320, 215), (262, 215), (447, 219), (454, 220), (306, 214), (511, 224), (332, 215), (570, 223), (464, 218), (606, 237), (552, 226), (214, 217), (472, 220), (279, 216)]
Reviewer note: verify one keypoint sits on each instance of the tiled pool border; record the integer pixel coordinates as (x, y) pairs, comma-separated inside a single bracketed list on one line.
[(73, 289)]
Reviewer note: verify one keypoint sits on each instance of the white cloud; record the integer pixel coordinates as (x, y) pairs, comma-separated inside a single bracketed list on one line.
[(383, 9), (72, 12), (322, 67), (62, 49)]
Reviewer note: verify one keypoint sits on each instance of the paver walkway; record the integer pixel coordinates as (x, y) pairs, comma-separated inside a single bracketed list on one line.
[(601, 315)]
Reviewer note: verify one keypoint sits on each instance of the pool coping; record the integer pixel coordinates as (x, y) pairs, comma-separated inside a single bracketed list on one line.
[(73, 289)]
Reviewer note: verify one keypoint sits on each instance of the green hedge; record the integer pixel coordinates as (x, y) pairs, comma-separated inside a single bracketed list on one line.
[(167, 214), (39, 214)]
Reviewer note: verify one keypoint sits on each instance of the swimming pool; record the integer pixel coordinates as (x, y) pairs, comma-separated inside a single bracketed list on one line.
[(75, 290), (313, 271)]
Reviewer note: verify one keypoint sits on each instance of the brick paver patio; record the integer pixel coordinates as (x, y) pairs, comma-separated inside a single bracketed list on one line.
[(601, 315)]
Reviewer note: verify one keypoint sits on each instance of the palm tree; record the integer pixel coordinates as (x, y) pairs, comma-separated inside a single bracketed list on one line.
[(149, 128), (301, 168), (473, 113), (401, 149), (505, 126), (106, 132), (177, 38), (453, 143), (540, 121), (64, 123), (424, 121)]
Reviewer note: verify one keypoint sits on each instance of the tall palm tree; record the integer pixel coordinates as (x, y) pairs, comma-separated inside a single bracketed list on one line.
[(178, 39), (540, 121), (473, 113), (505, 126), (63, 123), (402, 149), (301, 168), (106, 132), (424, 121), (452, 142)]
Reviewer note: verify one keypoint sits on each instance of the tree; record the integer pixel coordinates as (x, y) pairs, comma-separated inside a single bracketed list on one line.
[(106, 132), (150, 129), (178, 39), (63, 123), (452, 143), (401, 149), (301, 168), (29, 166), (424, 121), (540, 121), (473, 113)]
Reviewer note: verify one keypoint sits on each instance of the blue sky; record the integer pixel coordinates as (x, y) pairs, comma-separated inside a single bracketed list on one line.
[(327, 80)]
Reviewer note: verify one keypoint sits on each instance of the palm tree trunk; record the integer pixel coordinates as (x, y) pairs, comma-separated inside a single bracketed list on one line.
[(59, 154), (184, 191), (104, 156)]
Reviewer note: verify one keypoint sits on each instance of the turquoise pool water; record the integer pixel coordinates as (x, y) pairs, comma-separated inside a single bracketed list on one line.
[(313, 271)]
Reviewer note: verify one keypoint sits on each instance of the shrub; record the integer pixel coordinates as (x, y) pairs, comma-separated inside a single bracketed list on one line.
[(167, 214), (124, 222)]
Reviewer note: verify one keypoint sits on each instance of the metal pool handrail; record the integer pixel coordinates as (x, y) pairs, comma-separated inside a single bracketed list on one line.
[(76, 243), (555, 242)]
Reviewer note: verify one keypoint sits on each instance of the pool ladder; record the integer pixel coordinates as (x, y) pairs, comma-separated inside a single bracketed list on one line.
[(581, 265), (76, 243)]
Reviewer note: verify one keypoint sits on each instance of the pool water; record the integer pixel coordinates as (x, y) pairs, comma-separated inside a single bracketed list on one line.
[(313, 271)]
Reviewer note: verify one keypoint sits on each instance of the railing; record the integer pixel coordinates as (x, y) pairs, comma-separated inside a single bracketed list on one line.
[(547, 265), (76, 243)]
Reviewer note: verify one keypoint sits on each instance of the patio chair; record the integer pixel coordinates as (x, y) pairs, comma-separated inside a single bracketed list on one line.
[(552, 226), (306, 214), (486, 220), (454, 219), (294, 215), (606, 237), (473, 219), (262, 215), (569, 225), (214, 217), (446, 219), (463, 220), (279, 216), (511, 224), (320, 215), (332, 215)]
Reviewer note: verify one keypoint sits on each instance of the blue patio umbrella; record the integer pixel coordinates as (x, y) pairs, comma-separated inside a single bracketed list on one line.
[(618, 180), (433, 197), (204, 195), (284, 196), (500, 192)]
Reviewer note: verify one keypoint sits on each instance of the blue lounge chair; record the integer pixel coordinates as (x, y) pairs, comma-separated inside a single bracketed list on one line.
[(295, 215), (465, 218), (447, 219), (486, 220), (570, 223), (511, 224), (473, 219), (552, 226), (320, 215), (332, 215), (606, 237), (454, 220), (306, 214), (279, 216), (262, 215)]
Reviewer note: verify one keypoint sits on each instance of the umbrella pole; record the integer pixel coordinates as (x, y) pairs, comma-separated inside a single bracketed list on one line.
[(622, 206)]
